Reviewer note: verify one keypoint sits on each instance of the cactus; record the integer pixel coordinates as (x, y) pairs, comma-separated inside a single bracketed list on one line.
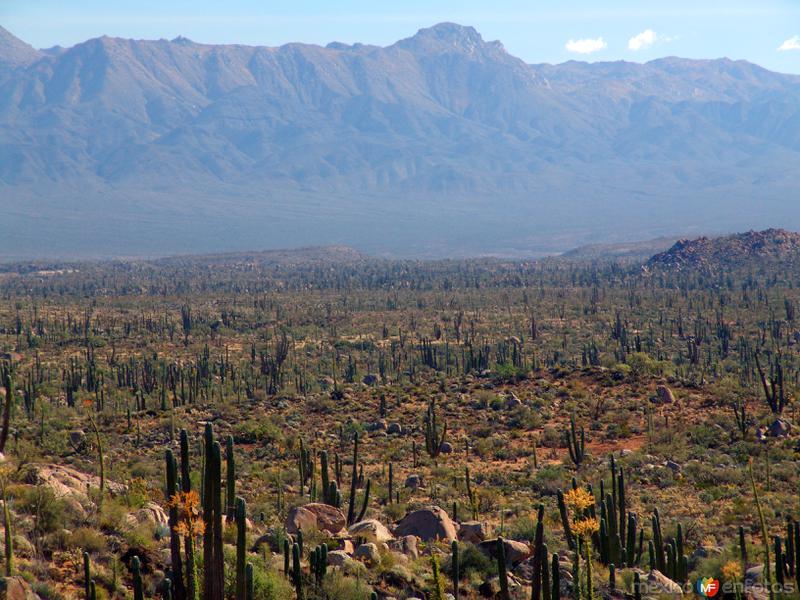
[(250, 581), (213, 558), (241, 548), (230, 480), (437, 586), (319, 563), (100, 459), (179, 592), (286, 553), (455, 568), (742, 548), (576, 570), (8, 384), (473, 502), (501, 569), (433, 439), (637, 586), (612, 577), (574, 444), (9, 538), (138, 591), (539, 556), (764, 535), (297, 573), (87, 576), (351, 509), (562, 509), (546, 590), (391, 484), (555, 578)]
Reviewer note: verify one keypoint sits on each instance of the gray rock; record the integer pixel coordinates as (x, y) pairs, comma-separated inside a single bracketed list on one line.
[(446, 448), (780, 428), (413, 482), (367, 553), (427, 524), (661, 584), (394, 429)]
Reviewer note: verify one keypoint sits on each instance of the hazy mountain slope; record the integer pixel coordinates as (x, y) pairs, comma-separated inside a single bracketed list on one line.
[(439, 144)]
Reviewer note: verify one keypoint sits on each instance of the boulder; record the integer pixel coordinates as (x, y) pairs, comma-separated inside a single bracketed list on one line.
[(371, 379), (338, 558), (394, 429), (16, 588), (779, 428), (368, 553), (658, 583), (664, 395), (315, 516), (406, 545), (446, 448), (427, 524), (473, 532), (69, 485), (516, 551), (512, 401), (150, 513), (371, 531), (413, 482)]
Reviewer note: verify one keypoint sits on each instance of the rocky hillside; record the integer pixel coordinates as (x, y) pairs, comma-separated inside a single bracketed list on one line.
[(771, 245)]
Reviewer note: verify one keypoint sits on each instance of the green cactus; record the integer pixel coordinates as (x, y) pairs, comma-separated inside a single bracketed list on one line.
[(138, 590), (297, 573), (230, 480), (455, 568), (555, 578), (562, 509), (251, 589), (433, 438), (241, 548), (575, 445), (87, 575), (213, 558), (179, 592), (501, 569)]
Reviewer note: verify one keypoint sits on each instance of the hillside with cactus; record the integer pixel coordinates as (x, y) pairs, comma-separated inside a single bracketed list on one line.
[(328, 426)]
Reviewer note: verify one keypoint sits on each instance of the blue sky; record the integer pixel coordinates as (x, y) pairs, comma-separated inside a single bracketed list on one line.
[(766, 32)]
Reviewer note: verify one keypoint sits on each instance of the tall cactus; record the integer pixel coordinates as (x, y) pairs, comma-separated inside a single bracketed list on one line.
[(178, 589), (230, 480), (9, 538), (138, 589), (213, 558), (241, 548), (501, 569), (87, 576), (455, 568), (433, 438), (297, 573), (575, 444)]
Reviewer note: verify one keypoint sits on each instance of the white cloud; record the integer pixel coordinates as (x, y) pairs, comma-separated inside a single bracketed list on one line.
[(643, 40), (586, 45), (793, 43)]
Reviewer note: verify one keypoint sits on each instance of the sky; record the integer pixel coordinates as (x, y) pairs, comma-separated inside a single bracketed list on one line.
[(766, 32)]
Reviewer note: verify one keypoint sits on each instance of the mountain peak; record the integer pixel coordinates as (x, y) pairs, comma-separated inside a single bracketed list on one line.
[(15, 52), (448, 37)]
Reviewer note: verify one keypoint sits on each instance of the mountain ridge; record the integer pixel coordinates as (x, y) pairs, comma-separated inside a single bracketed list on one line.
[(735, 250), (441, 143)]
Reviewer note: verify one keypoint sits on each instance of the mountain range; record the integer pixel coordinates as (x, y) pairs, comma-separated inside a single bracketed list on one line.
[(442, 144)]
